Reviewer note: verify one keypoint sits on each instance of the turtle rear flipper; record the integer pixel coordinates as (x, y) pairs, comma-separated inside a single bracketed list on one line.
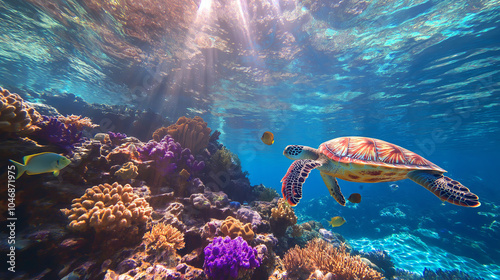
[(445, 188), (294, 178)]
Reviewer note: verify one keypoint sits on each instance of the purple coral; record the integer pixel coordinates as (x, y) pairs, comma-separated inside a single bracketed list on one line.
[(169, 156), (116, 136), (58, 133), (224, 257)]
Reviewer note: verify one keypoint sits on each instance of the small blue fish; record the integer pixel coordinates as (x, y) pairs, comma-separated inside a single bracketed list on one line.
[(41, 163)]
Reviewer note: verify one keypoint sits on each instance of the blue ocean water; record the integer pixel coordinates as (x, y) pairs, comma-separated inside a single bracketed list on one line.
[(424, 75)]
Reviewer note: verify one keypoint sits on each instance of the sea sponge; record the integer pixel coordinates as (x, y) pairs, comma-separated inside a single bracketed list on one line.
[(282, 217), (164, 237), (106, 208), (15, 115), (233, 228), (127, 171), (321, 255), (193, 134)]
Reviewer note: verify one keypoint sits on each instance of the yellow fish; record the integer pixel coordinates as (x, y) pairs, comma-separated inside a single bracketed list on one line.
[(41, 163), (337, 221), (267, 138)]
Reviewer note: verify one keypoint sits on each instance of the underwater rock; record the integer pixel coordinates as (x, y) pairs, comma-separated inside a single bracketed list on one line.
[(200, 202), (247, 215)]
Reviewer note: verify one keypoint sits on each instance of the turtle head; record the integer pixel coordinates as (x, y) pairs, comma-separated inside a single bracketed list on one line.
[(295, 152)]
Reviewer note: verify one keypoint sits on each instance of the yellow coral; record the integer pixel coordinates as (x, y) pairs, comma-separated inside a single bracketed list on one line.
[(321, 255), (164, 237), (233, 228), (282, 217), (106, 208), (127, 171), (190, 133), (15, 115)]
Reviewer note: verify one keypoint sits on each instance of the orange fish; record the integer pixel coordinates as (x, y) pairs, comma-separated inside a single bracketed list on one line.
[(355, 198), (267, 138)]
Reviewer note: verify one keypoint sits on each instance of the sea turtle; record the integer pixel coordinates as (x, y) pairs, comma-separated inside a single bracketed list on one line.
[(368, 160)]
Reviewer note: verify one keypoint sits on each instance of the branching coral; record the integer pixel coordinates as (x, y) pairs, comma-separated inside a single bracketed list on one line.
[(62, 131), (227, 259), (223, 159), (282, 217), (77, 121), (127, 171), (193, 134), (233, 228), (164, 237), (16, 116), (106, 208), (321, 255), (169, 158)]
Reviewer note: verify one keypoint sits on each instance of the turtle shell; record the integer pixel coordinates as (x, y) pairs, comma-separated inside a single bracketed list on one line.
[(374, 152)]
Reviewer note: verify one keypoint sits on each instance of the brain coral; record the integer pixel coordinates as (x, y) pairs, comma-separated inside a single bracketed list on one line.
[(15, 115), (233, 228), (193, 134), (106, 208), (164, 237)]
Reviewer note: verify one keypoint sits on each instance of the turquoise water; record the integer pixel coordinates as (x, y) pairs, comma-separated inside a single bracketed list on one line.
[(424, 75)]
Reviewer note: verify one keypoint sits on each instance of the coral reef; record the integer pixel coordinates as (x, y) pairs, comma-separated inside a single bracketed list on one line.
[(447, 275), (164, 237), (169, 156), (62, 131), (16, 116), (227, 258), (320, 255), (282, 217), (233, 228), (172, 164), (127, 171), (107, 208), (193, 134)]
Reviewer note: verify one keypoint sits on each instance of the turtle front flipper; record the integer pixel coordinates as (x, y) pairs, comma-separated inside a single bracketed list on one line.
[(295, 177), (333, 186), (445, 188)]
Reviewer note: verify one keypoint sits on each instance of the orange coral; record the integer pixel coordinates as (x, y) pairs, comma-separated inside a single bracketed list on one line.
[(108, 207), (233, 228), (15, 115), (321, 255), (164, 237), (190, 133), (124, 152), (79, 122)]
